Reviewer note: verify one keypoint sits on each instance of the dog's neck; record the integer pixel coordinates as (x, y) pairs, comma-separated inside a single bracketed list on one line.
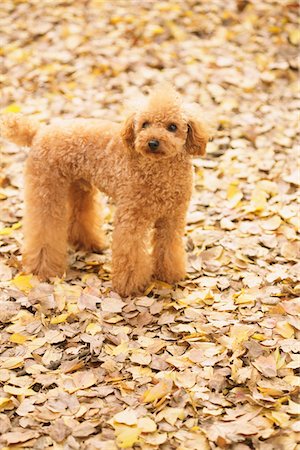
[(139, 160)]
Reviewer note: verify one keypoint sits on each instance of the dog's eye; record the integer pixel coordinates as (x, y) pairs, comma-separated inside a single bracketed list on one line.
[(172, 127), (145, 124)]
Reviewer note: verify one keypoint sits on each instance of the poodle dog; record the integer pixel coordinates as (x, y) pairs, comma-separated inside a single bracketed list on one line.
[(144, 164)]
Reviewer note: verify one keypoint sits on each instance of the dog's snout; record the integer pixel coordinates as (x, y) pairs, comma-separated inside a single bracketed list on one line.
[(153, 144)]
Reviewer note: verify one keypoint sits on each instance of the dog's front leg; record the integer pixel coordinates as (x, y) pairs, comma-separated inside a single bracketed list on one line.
[(131, 262), (168, 248)]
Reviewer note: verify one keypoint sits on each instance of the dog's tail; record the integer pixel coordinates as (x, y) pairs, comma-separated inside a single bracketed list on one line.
[(18, 129)]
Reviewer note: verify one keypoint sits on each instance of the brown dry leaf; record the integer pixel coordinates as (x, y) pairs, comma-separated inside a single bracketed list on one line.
[(16, 437), (112, 305), (8, 310), (266, 365), (80, 380), (271, 224), (58, 431)]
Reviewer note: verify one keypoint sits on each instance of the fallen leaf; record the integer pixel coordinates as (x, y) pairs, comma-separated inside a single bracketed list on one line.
[(160, 390), (112, 305), (127, 417), (266, 365), (23, 283)]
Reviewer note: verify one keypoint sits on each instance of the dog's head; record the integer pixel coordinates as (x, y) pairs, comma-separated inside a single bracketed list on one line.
[(163, 128)]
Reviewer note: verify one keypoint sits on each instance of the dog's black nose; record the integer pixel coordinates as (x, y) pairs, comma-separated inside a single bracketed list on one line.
[(153, 144)]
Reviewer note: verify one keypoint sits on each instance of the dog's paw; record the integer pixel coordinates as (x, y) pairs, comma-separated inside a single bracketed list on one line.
[(95, 246), (126, 286), (43, 266), (169, 276)]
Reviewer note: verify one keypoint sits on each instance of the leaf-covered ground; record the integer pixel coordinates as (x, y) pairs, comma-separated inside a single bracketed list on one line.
[(212, 363)]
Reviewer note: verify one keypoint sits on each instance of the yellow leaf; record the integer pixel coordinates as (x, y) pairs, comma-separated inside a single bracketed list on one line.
[(273, 392), (259, 337), (280, 360), (72, 308), (294, 36), (4, 401), (18, 338), (274, 29), (284, 329), (127, 436), (22, 282), (59, 319), (121, 348), (12, 108), (258, 200), (240, 333), (158, 391), (93, 328), (175, 30), (280, 418), (9, 230), (234, 195), (157, 30), (114, 20), (243, 298), (149, 288)]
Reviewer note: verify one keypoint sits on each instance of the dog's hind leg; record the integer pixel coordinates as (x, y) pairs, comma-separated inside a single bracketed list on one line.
[(45, 220), (85, 231)]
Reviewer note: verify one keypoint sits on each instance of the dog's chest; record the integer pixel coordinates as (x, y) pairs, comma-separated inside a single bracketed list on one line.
[(167, 187)]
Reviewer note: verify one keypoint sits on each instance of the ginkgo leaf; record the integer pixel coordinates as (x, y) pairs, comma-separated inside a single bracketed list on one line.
[(23, 282), (271, 224), (5, 402), (12, 363), (13, 390), (146, 425), (12, 108), (93, 328), (8, 230), (59, 319), (127, 417), (234, 195), (18, 338), (294, 36), (258, 200), (127, 436), (285, 329), (160, 390)]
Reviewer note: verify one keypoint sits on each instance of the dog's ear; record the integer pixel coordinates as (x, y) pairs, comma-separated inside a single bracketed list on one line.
[(197, 137), (127, 133)]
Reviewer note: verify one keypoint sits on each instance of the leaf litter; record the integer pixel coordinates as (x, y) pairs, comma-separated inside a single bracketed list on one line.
[(212, 363)]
